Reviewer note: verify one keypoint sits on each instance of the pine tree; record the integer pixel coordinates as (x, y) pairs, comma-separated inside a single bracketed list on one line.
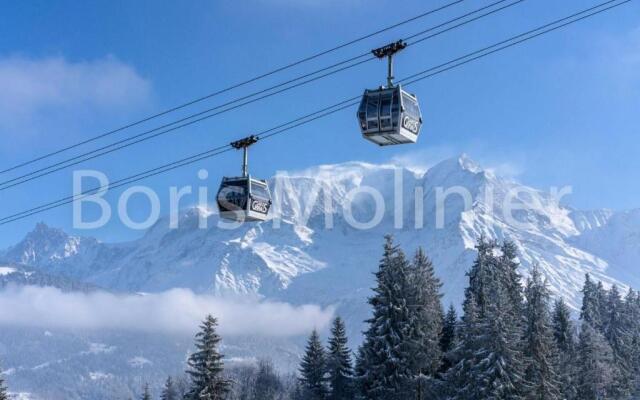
[(205, 365), (540, 349), (511, 277), (459, 379), (590, 312), (602, 302), (482, 271), (339, 363), (267, 385), (422, 340), (313, 369), (169, 391), (563, 329), (632, 322), (383, 373), (595, 365), (488, 361), (448, 337), (564, 335), (362, 379), (499, 369), (146, 394), (616, 331)]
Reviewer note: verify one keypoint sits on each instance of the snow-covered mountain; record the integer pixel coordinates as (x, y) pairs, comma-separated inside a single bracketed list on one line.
[(313, 252), (302, 260)]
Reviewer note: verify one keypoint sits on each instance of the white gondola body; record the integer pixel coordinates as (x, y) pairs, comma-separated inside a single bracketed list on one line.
[(244, 199), (389, 116)]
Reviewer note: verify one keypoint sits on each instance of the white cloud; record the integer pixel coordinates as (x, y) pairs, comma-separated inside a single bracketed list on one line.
[(174, 311), (505, 169), (37, 90), (422, 159)]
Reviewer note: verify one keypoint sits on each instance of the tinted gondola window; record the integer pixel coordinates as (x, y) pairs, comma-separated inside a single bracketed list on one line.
[(395, 109), (410, 107), (259, 190), (362, 113), (385, 110), (372, 110), (233, 195)]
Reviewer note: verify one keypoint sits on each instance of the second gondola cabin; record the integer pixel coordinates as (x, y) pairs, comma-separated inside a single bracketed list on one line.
[(389, 115)]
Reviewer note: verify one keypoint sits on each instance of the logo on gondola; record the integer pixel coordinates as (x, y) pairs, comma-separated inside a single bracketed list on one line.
[(411, 124), (260, 206)]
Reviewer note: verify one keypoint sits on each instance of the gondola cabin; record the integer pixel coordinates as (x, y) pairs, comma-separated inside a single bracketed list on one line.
[(244, 199), (389, 116)]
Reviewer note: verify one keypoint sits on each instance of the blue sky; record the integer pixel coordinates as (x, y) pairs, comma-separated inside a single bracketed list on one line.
[(560, 110)]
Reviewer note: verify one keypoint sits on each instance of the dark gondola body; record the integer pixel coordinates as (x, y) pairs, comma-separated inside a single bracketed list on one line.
[(389, 116), (244, 199)]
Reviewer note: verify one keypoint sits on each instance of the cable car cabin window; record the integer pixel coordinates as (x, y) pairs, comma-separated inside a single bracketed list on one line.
[(362, 113), (233, 195), (385, 110), (410, 107), (259, 190), (395, 109), (372, 110)]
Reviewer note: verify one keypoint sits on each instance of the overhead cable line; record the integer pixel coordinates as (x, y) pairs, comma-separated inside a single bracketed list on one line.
[(231, 105), (502, 45), (232, 87)]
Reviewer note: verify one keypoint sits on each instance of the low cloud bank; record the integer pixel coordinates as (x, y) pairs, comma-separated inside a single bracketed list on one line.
[(175, 311)]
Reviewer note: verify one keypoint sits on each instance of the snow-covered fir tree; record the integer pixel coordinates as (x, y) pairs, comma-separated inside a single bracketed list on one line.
[(482, 272), (602, 301), (169, 390), (618, 334), (313, 369), (339, 363), (564, 336), (448, 337), (632, 321), (206, 368), (383, 371), (590, 312), (595, 365), (499, 367), (508, 264), (460, 384), (422, 338), (563, 327), (540, 348), (493, 365)]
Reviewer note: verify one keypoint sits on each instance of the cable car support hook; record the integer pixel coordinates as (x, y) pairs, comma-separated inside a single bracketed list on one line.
[(244, 145), (388, 51)]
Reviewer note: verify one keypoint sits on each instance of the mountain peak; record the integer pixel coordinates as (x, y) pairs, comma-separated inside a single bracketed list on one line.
[(42, 230), (461, 162), (468, 164)]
